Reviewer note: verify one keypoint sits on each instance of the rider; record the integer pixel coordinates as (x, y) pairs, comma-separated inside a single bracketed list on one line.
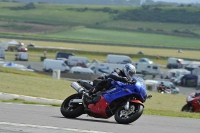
[(162, 85), (123, 75)]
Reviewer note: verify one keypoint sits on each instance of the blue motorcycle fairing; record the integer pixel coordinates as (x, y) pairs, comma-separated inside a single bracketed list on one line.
[(120, 89)]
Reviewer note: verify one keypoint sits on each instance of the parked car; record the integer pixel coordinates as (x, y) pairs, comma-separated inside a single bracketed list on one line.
[(118, 59), (63, 55), (31, 45), (80, 70), (146, 60), (73, 60), (177, 81)]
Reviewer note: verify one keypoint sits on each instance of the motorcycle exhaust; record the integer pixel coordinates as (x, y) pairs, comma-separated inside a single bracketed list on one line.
[(77, 87)]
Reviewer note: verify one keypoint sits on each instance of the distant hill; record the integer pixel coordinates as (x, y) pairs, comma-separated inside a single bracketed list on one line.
[(102, 2), (85, 2)]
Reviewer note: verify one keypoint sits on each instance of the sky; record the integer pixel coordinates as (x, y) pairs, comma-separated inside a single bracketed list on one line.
[(180, 1)]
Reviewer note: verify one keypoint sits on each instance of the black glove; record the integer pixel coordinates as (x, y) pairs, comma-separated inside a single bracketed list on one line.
[(132, 82), (124, 79), (103, 76)]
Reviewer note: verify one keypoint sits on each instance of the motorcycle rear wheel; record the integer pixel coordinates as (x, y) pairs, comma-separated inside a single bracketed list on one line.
[(72, 111), (187, 108), (121, 119)]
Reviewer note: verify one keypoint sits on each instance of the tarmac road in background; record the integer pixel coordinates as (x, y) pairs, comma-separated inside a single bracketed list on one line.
[(34, 65)]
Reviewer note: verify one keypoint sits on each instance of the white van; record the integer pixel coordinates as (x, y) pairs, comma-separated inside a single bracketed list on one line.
[(73, 60), (2, 53), (142, 67), (118, 59), (192, 65), (51, 64), (174, 73), (4, 45), (151, 85), (21, 56), (174, 63)]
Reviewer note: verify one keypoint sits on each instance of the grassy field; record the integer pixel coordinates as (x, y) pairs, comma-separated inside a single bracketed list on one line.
[(127, 37), (27, 83), (33, 85), (93, 24), (136, 25), (35, 56), (52, 14)]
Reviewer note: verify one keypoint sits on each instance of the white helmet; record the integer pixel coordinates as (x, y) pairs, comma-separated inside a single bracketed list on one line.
[(129, 70)]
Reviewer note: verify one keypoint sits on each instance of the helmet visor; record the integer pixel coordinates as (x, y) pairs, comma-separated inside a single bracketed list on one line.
[(131, 73)]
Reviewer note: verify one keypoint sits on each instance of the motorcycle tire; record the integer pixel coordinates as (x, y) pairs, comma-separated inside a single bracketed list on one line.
[(72, 112), (133, 117), (187, 108)]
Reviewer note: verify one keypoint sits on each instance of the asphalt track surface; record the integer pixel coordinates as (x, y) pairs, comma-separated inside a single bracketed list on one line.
[(19, 118)]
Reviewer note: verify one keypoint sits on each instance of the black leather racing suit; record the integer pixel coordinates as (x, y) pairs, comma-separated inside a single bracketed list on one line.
[(104, 82)]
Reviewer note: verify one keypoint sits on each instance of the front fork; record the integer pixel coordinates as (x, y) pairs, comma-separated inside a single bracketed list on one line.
[(127, 105)]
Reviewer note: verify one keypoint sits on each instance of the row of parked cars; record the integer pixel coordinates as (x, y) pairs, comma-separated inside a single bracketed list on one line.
[(69, 62)]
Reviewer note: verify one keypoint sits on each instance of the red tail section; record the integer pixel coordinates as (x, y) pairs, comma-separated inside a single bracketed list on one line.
[(98, 110)]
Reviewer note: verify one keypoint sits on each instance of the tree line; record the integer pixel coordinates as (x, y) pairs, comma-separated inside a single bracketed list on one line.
[(157, 14)]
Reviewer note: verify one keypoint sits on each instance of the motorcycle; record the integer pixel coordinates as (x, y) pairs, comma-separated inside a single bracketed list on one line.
[(164, 89), (193, 103), (123, 100)]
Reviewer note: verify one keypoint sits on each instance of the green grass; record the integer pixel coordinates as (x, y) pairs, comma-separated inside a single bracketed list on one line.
[(15, 71), (135, 25), (35, 56), (51, 14), (98, 23), (32, 85), (171, 113), (127, 37), (22, 101), (15, 26), (37, 86)]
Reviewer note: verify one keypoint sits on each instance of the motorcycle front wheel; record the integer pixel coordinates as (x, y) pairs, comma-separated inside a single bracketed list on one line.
[(123, 116), (187, 108), (72, 110)]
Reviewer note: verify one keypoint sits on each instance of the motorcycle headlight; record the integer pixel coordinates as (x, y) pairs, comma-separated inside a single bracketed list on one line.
[(143, 94)]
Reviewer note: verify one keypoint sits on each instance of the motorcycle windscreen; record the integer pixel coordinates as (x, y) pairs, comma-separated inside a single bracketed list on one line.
[(141, 88)]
